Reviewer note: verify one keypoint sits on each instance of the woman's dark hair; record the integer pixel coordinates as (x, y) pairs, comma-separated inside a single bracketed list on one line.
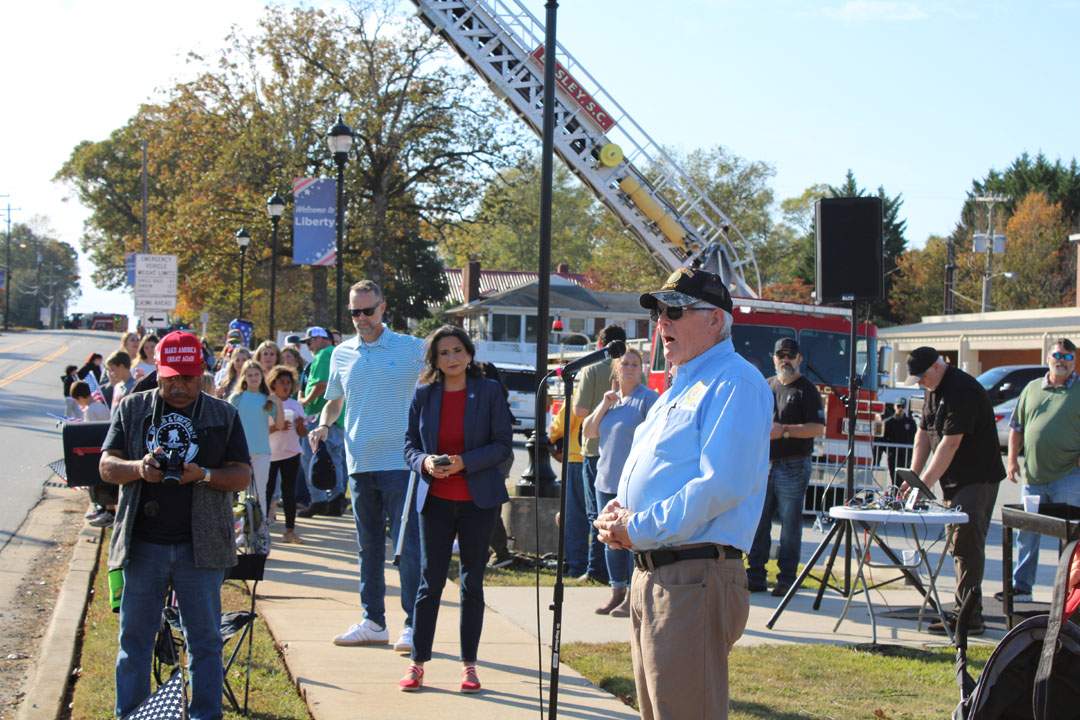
[(93, 357), (70, 369), (432, 373)]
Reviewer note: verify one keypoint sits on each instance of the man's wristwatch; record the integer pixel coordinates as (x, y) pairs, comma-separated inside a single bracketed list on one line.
[(786, 434), (205, 478)]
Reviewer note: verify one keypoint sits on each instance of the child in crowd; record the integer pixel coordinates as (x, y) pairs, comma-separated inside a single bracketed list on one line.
[(256, 403), (285, 447)]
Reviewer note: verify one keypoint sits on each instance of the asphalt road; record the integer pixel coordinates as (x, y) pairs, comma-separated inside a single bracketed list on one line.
[(31, 364)]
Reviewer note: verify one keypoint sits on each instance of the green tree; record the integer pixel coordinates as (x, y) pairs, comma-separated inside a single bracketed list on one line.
[(255, 117), (44, 274)]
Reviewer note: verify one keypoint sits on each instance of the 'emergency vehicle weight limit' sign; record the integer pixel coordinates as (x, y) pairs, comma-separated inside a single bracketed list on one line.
[(155, 283)]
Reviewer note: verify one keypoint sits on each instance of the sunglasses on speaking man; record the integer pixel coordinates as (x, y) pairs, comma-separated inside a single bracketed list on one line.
[(786, 355), (1067, 357), (357, 312), (673, 313)]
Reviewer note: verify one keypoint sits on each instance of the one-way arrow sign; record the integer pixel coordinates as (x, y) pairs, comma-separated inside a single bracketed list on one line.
[(156, 319), (158, 322)]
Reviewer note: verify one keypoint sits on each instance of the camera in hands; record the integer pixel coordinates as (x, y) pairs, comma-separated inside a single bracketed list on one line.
[(171, 462)]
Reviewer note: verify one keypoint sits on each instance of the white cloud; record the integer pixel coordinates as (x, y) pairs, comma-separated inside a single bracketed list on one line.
[(876, 11)]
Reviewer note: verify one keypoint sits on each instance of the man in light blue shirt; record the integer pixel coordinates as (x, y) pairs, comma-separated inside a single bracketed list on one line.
[(373, 375), (689, 501)]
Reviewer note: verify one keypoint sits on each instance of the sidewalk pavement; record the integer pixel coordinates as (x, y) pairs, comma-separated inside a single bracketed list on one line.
[(310, 594)]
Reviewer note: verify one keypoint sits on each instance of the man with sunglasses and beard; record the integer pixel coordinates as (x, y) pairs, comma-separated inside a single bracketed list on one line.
[(372, 379), (798, 418), (688, 502), (1046, 425), (174, 533)]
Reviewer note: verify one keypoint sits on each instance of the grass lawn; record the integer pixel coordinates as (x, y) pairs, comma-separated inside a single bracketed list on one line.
[(785, 682), (272, 693)]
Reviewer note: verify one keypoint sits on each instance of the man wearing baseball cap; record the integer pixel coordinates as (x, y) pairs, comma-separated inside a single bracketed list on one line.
[(958, 426), (174, 520), (689, 501), (900, 434), (312, 397), (798, 418)]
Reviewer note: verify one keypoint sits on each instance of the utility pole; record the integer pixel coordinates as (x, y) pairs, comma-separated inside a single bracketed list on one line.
[(950, 276), (145, 195), (7, 269), (991, 200)]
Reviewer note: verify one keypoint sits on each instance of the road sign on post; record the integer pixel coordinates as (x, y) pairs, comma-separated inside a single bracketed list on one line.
[(156, 320), (155, 284)]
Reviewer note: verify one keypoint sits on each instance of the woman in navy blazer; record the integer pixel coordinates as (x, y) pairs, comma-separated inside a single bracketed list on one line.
[(462, 418)]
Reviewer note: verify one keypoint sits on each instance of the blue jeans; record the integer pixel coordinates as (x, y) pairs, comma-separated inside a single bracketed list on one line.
[(1064, 490), (597, 564), (440, 521), (575, 524), (150, 572), (335, 440), (785, 494), (620, 563), (303, 494), (378, 499)]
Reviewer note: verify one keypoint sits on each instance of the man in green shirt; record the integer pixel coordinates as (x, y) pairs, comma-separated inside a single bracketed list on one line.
[(1046, 423), (312, 398)]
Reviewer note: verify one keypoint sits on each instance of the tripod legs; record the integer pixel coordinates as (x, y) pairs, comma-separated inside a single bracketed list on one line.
[(806, 571)]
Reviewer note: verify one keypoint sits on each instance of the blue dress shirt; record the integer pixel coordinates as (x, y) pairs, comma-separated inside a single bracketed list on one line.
[(699, 463)]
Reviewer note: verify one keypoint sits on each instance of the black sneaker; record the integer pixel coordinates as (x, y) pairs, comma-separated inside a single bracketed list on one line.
[(780, 590), (755, 588), (335, 507), (975, 627), (316, 508), (1017, 596)]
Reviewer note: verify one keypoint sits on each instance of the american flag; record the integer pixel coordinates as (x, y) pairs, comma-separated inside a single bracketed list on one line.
[(95, 389), (168, 703)]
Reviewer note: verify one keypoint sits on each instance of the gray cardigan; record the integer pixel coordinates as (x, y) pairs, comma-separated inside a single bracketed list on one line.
[(212, 523)]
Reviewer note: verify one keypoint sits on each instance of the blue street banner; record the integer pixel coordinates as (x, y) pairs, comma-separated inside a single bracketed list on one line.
[(314, 220), (3, 278), (129, 263)]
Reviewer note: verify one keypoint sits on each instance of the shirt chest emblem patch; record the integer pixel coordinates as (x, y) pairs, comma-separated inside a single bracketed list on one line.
[(693, 396)]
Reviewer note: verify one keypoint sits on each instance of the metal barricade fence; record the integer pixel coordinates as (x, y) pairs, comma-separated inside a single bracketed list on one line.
[(875, 463)]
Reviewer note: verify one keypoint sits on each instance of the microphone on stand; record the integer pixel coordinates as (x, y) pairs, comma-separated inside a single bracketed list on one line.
[(613, 349)]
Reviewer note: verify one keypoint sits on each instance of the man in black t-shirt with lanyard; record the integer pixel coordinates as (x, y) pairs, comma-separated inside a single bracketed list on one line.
[(958, 425), (178, 533), (798, 418)]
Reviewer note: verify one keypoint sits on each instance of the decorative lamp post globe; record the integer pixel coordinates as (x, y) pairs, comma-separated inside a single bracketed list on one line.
[(243, 239), (339, 139), (275, 208)]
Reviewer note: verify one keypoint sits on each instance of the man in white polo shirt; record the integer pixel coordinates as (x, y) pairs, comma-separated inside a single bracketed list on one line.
[(373, 375)]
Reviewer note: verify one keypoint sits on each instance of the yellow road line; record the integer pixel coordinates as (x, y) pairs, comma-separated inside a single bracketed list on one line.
[(28, 342), (26, 371)]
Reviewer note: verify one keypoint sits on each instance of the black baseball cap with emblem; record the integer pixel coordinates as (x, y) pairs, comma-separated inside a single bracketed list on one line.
[(919, 361), (789, 344), (685, 287)]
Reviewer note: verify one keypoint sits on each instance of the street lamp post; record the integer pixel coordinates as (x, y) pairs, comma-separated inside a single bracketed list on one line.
[(275, 208), (243, 239), (339, 139)]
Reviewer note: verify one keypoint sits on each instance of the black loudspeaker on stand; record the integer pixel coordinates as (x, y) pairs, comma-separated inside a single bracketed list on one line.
[(849, 249)]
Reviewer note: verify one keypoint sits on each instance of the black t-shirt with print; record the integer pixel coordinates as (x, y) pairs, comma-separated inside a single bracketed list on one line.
[(796, 403)]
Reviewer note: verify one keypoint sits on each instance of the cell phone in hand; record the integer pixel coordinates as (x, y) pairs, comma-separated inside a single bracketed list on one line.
[(440, 460)]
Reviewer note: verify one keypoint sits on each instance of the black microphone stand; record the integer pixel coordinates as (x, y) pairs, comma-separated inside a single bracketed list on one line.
[(557, 595)]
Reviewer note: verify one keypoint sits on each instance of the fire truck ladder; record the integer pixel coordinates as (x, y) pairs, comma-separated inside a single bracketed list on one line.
[(662, 207)]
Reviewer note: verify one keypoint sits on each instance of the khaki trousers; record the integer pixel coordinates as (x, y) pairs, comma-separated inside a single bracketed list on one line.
[(685, 617)]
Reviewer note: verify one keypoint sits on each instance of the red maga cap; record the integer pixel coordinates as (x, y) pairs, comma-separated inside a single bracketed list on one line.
[(179, 353)]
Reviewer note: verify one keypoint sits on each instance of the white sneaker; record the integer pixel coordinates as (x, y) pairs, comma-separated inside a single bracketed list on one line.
[(364, 633), (404, 641)]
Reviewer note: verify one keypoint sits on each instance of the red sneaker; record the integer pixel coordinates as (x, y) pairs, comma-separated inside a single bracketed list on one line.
[(414, 678), (470, 683)]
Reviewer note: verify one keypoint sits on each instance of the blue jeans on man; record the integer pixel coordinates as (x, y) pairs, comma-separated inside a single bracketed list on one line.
[(151, 571), (576, 522), (597, 563), (377, 500), (785, 495), (335, 441), (1062, 490)]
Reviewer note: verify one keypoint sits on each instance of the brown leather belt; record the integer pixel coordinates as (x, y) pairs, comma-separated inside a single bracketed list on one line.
[(653, 559)]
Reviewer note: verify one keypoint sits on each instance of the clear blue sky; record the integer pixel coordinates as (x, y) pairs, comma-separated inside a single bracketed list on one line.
[(920, 97)]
